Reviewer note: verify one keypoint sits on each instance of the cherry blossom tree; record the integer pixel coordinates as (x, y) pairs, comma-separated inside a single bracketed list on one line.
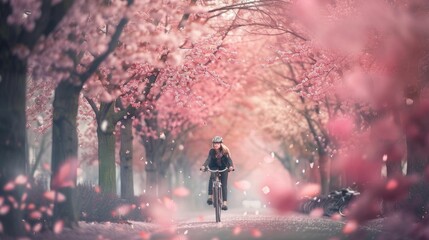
[(23, 24), (379, 52), (48, 33), (157, 27)]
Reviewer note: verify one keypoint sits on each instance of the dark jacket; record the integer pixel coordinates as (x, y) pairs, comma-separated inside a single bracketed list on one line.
[(211, 161)]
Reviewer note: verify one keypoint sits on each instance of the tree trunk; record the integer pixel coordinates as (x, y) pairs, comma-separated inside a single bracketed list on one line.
[(325, 172), (164, 177), (12, 134), (106, 149), (126, 156), (417, 163), (65, 144), (151, 178), (154, 151)]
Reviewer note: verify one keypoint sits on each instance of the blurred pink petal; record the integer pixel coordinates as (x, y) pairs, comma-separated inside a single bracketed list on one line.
[(1, 200), (181, 192), (11, 199), (316, 213), (242, 185), (54, 196), (123, 210), (46, 167), (144, 235), (398, 188), (49, 212), (256, 233), (58, 226), (309, 190), (392, 184), (9, 186), (35, 215), (336, 217), (4, 210), (27, 227), (350, 227), (66, 175), (24, 197), (236, 230), (170, 204), (21, 180), (31, 206), (37, 227), (341, 127), (282, 194)]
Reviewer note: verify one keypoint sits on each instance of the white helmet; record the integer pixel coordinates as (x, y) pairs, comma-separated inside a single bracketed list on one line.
[(217, 139)]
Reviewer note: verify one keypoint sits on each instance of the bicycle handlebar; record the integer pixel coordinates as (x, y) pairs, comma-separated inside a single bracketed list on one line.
[(216, 171)]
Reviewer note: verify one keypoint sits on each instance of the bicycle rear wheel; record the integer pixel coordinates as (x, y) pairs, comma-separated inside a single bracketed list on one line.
[(217, 195)]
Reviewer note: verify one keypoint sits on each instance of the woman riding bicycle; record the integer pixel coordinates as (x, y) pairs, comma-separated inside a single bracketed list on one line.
[(219, 158)]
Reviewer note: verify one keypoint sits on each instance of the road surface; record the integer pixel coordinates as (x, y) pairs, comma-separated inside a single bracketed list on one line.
[(236, 224)]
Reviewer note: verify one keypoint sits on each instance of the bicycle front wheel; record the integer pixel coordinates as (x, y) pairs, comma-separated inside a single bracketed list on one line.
[(217, 202)]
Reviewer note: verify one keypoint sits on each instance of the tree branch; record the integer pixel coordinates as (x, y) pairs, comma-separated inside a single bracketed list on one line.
[(93, 106)]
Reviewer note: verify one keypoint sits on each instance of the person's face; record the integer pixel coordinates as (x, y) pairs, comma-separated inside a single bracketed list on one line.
[(216, 146)]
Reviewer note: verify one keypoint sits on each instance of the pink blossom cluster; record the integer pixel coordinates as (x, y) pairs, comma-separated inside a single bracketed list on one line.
[(24, 13)]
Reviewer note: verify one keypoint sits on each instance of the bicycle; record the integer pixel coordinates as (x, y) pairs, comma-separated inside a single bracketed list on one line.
[(217, 191)]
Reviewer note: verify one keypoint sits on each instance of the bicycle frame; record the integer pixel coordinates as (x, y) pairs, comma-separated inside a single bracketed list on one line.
[(217, 192)]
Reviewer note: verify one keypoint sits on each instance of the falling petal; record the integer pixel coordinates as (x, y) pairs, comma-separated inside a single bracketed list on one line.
[(46, 166), (24, 197), (242, 185), (4, 210), (392, 184), (9, 186), (49, 212), (236, 230), (27, 227), (181, 192), (144, 235), (11, 199), (310, 190), (266, 190), (66, 175), (31, 206), (35, 215), (123, 210), (21, 180), (316, 213), (170, 204), (350, 227), (37, 227), (336, 217), (53, 195), (58, 226), (256, 233)]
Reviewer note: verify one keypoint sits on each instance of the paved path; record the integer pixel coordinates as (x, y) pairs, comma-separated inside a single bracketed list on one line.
[(236, 224)]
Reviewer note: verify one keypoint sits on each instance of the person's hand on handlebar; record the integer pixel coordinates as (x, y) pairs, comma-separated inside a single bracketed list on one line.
[(203, 169), (231, 169)]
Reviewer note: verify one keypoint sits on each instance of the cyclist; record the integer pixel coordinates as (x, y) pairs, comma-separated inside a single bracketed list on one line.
[(219, 158)]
